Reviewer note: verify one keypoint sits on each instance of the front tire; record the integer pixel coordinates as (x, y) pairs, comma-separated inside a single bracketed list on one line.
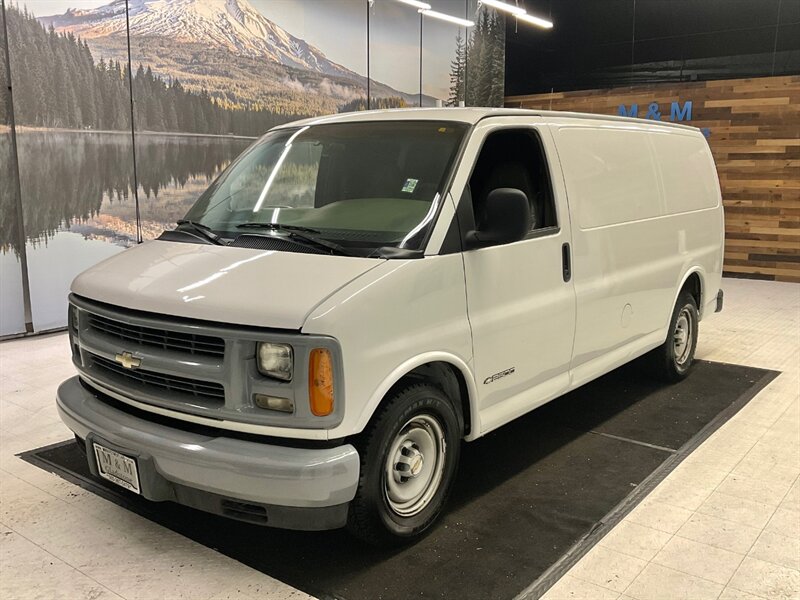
[(672, 361), (409, 455)]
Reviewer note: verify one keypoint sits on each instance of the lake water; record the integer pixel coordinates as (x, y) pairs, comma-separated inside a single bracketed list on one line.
[(78, 205)]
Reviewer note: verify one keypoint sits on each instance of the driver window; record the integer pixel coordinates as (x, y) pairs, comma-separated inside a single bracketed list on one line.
[(513, 158)]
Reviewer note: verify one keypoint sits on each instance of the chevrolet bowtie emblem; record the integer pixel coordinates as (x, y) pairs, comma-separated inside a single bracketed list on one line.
[(128, 360)]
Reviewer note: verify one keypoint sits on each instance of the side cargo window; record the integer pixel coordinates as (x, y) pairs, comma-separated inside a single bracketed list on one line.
[(514, 158)]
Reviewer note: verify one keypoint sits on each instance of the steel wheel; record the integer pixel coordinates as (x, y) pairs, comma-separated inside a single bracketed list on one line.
[(414, 465), (682, 337), (409, 456)]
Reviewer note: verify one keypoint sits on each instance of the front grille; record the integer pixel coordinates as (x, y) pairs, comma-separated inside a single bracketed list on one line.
[(172, 384), (160, 338)]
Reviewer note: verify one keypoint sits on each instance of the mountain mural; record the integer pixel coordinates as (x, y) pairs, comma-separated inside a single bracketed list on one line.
[(233, 25), (225, 47)]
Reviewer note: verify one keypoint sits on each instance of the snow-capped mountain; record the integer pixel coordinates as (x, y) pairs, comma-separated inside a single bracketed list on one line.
[(232, 25)]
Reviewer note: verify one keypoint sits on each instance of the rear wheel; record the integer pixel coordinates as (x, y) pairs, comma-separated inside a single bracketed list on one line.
[(409, 455), (673, 359)]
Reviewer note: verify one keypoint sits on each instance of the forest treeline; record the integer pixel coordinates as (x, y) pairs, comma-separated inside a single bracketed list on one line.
[(375, 104), (61, 85), (479, 64)]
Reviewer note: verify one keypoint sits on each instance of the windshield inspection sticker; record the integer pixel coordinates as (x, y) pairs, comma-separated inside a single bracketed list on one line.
[(410, 185)]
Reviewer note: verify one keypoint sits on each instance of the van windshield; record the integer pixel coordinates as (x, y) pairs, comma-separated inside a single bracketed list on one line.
[(361, 186)]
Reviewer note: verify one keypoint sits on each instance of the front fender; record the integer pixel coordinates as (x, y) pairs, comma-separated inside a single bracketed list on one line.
[(406, 367)]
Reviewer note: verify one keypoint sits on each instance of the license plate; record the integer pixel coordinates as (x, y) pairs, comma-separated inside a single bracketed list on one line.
[(117, 468)]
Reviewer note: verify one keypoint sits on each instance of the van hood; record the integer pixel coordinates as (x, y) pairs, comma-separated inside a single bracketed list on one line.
[(219, 283)]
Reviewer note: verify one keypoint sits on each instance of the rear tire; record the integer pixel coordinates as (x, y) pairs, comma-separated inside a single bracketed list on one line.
[(409, 455), (672, 361)]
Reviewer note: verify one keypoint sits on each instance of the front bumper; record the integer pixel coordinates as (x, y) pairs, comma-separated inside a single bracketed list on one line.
[(280, 486)]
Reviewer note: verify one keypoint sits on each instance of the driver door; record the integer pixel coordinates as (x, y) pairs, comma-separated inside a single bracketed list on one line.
[(520, 297)]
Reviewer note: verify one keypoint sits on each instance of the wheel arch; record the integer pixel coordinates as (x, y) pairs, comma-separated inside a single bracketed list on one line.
[(694, 278), (445, 370), (693, 281)]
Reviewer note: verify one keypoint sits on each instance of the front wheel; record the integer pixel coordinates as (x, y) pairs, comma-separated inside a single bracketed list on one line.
[(672, 360), (409, 455)]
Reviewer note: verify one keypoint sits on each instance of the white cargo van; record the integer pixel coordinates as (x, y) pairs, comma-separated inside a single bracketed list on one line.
[(357, 294)]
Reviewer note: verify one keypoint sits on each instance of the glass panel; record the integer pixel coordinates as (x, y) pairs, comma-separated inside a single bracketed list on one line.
[(394, 56), (378, 183), (444, 53), (72, 114), (486, 57), (12, 315), (265, 63)]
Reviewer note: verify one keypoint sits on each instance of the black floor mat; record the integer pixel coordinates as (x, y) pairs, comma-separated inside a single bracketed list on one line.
[(525, 494)]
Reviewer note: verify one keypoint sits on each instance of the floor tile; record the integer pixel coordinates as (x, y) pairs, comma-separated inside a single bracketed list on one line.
[(779, 549), (572, 588), (688, 488), (792, 499), (659, 515), (767, 580), (700, 560), (740, 510), (760, 490), (766, 471), (608, 568), (657, 582), (635, 540), (730, 593), (30, 572), (720, 533), (784, 522)]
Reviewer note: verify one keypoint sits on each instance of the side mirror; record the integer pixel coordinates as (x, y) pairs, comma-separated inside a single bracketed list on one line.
[(506, 218)]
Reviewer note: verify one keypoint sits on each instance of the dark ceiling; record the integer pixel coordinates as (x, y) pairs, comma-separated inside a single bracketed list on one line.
[(605, 43)]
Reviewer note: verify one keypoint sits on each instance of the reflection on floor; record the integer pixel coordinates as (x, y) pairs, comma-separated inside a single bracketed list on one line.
[(724, 524)]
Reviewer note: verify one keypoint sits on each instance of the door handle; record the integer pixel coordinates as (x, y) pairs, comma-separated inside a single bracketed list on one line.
[(566, 262)]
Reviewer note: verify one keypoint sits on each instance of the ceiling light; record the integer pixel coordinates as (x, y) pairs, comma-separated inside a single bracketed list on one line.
[(416, 4), (514, 10), (449, 18), (535, 21)]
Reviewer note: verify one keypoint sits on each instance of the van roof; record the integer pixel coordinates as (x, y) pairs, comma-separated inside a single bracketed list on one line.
[(466, 115)]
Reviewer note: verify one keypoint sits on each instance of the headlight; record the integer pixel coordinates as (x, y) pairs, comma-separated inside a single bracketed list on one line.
[(275, 360)]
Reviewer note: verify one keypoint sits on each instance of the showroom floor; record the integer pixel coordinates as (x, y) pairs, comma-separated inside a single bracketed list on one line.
[(724, 524)]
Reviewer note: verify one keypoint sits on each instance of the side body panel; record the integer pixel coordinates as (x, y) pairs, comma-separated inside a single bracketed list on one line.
[(634, 245)]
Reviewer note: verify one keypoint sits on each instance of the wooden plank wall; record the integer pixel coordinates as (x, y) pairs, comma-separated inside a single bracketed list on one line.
[(754, 127)]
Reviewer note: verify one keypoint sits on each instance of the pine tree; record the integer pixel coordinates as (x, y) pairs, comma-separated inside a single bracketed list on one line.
[(497, 62), (4, 99), (483, 83), (458, 68), (475, 50)]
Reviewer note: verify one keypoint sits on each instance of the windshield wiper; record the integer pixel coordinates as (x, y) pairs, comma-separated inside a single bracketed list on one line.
[(204, 231), (297, 232), (277, 227)]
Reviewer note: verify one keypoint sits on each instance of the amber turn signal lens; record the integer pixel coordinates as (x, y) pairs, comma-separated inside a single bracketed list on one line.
[(320, 382)]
